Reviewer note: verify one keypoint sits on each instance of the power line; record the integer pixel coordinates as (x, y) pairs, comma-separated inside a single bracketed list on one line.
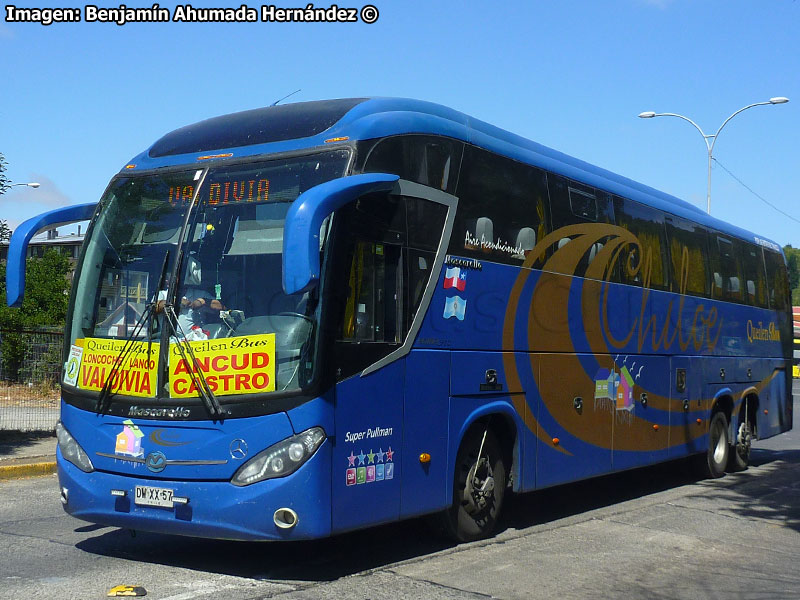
[(749, 189)]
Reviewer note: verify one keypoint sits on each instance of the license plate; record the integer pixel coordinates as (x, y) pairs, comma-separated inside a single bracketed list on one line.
[(153, 496)]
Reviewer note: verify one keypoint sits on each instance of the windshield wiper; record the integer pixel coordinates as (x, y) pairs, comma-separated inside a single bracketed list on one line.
[(145, 318), (195, 372), (184, 346), (122, 356)]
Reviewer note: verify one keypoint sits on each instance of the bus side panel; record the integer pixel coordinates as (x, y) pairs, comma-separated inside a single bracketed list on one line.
[(424, 486), (775, 404), (688, 404), (366, 471), (481, 386), (642, 415), (575, 429)]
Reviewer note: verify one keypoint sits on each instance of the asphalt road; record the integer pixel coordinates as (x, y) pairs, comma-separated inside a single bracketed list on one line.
[(651, 533)]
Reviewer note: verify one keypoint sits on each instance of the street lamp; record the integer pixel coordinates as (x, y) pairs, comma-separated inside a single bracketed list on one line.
[(32, 184), (713, 137)]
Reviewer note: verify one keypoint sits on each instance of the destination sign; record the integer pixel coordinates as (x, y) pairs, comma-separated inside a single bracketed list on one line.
[(223, 192)]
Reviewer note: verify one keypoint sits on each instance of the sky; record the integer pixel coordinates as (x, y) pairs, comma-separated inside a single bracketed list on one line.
[(79, 100)]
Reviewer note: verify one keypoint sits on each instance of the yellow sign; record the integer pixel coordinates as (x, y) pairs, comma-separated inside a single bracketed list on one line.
[(239, 365), (135, 376)]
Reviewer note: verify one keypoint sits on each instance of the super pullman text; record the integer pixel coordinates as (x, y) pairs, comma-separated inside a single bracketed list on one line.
[(186, 13)]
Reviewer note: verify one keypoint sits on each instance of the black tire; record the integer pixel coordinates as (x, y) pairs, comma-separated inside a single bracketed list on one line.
[(740, 451), (715, 460), (476, 509)]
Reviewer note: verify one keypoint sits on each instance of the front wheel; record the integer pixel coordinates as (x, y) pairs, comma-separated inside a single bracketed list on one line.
[(478, 488)]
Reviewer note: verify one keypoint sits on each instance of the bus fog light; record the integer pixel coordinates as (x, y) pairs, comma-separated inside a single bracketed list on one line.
[(285, 518), (64, 496), (71, 450), (281, 459)]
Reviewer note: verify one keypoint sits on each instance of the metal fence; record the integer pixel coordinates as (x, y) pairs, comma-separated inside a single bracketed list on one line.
[(30, 366)]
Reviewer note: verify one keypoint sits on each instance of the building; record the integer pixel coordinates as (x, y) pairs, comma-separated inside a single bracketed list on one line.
[(68, 245)]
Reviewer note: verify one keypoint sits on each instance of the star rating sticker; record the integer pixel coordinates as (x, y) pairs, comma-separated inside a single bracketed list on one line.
[(371, 457), (351, 459), (389, 454), (380, 455), (361, 457)]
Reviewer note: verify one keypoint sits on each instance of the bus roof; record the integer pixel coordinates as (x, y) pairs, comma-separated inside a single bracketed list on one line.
[(305, 125)]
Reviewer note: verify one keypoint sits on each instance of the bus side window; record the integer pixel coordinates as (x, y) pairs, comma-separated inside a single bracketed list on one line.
[(754, 275), (502, 208), (648, 259), (777, 280), (687, 250), (573, 203), (727, 283), (425, 226), (429, 160)]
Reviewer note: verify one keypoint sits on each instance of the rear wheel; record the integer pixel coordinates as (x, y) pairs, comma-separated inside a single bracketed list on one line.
[(716, 458), (478, 488), (740, 454)]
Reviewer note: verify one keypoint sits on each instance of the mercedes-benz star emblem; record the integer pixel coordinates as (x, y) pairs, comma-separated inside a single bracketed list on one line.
[(238, 448), (156, 462)]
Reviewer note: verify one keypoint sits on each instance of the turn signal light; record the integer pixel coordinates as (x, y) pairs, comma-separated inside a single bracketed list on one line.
[(424, 458), (556, 441)]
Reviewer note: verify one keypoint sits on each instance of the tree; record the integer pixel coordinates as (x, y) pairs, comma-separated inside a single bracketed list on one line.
[(44, 305), (5, 232), (793, 263), (4, 182)]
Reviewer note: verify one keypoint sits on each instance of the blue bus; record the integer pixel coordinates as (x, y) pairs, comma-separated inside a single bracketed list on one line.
[(300, 320)]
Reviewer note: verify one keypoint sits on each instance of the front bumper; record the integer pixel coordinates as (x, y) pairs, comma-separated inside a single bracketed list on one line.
[(215, 509)]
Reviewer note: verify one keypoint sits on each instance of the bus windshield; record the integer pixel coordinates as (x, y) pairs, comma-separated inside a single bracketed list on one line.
[(159, 268)]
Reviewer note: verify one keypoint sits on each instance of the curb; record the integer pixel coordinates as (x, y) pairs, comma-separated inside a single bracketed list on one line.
[(27, 470)]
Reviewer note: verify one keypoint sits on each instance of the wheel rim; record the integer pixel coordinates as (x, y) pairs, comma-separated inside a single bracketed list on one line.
[(743, 439), (479, 488), (719, 441)]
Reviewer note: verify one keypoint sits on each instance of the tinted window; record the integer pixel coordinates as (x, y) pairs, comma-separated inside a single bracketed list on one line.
[(726, 270), (687, 250), (648, 260), (258, 126), (428, 160), (755, 278), (583, 204), (502, 208), (572, 203), (777, 280), (384, 262)]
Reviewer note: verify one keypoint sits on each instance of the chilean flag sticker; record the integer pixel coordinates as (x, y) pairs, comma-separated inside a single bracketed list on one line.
[(454, 278)]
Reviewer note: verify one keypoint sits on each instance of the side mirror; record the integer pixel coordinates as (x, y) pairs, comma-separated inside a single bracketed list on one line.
[(15, 267), (301, 231)]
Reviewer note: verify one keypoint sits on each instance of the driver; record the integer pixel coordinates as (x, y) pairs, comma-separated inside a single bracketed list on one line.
[(199, 310)]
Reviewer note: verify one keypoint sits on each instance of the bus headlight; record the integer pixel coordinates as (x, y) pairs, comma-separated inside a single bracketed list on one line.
[(281, 459), (71, 450)]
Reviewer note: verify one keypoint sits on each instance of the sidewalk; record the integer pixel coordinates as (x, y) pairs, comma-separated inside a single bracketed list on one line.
[(26, 454)]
